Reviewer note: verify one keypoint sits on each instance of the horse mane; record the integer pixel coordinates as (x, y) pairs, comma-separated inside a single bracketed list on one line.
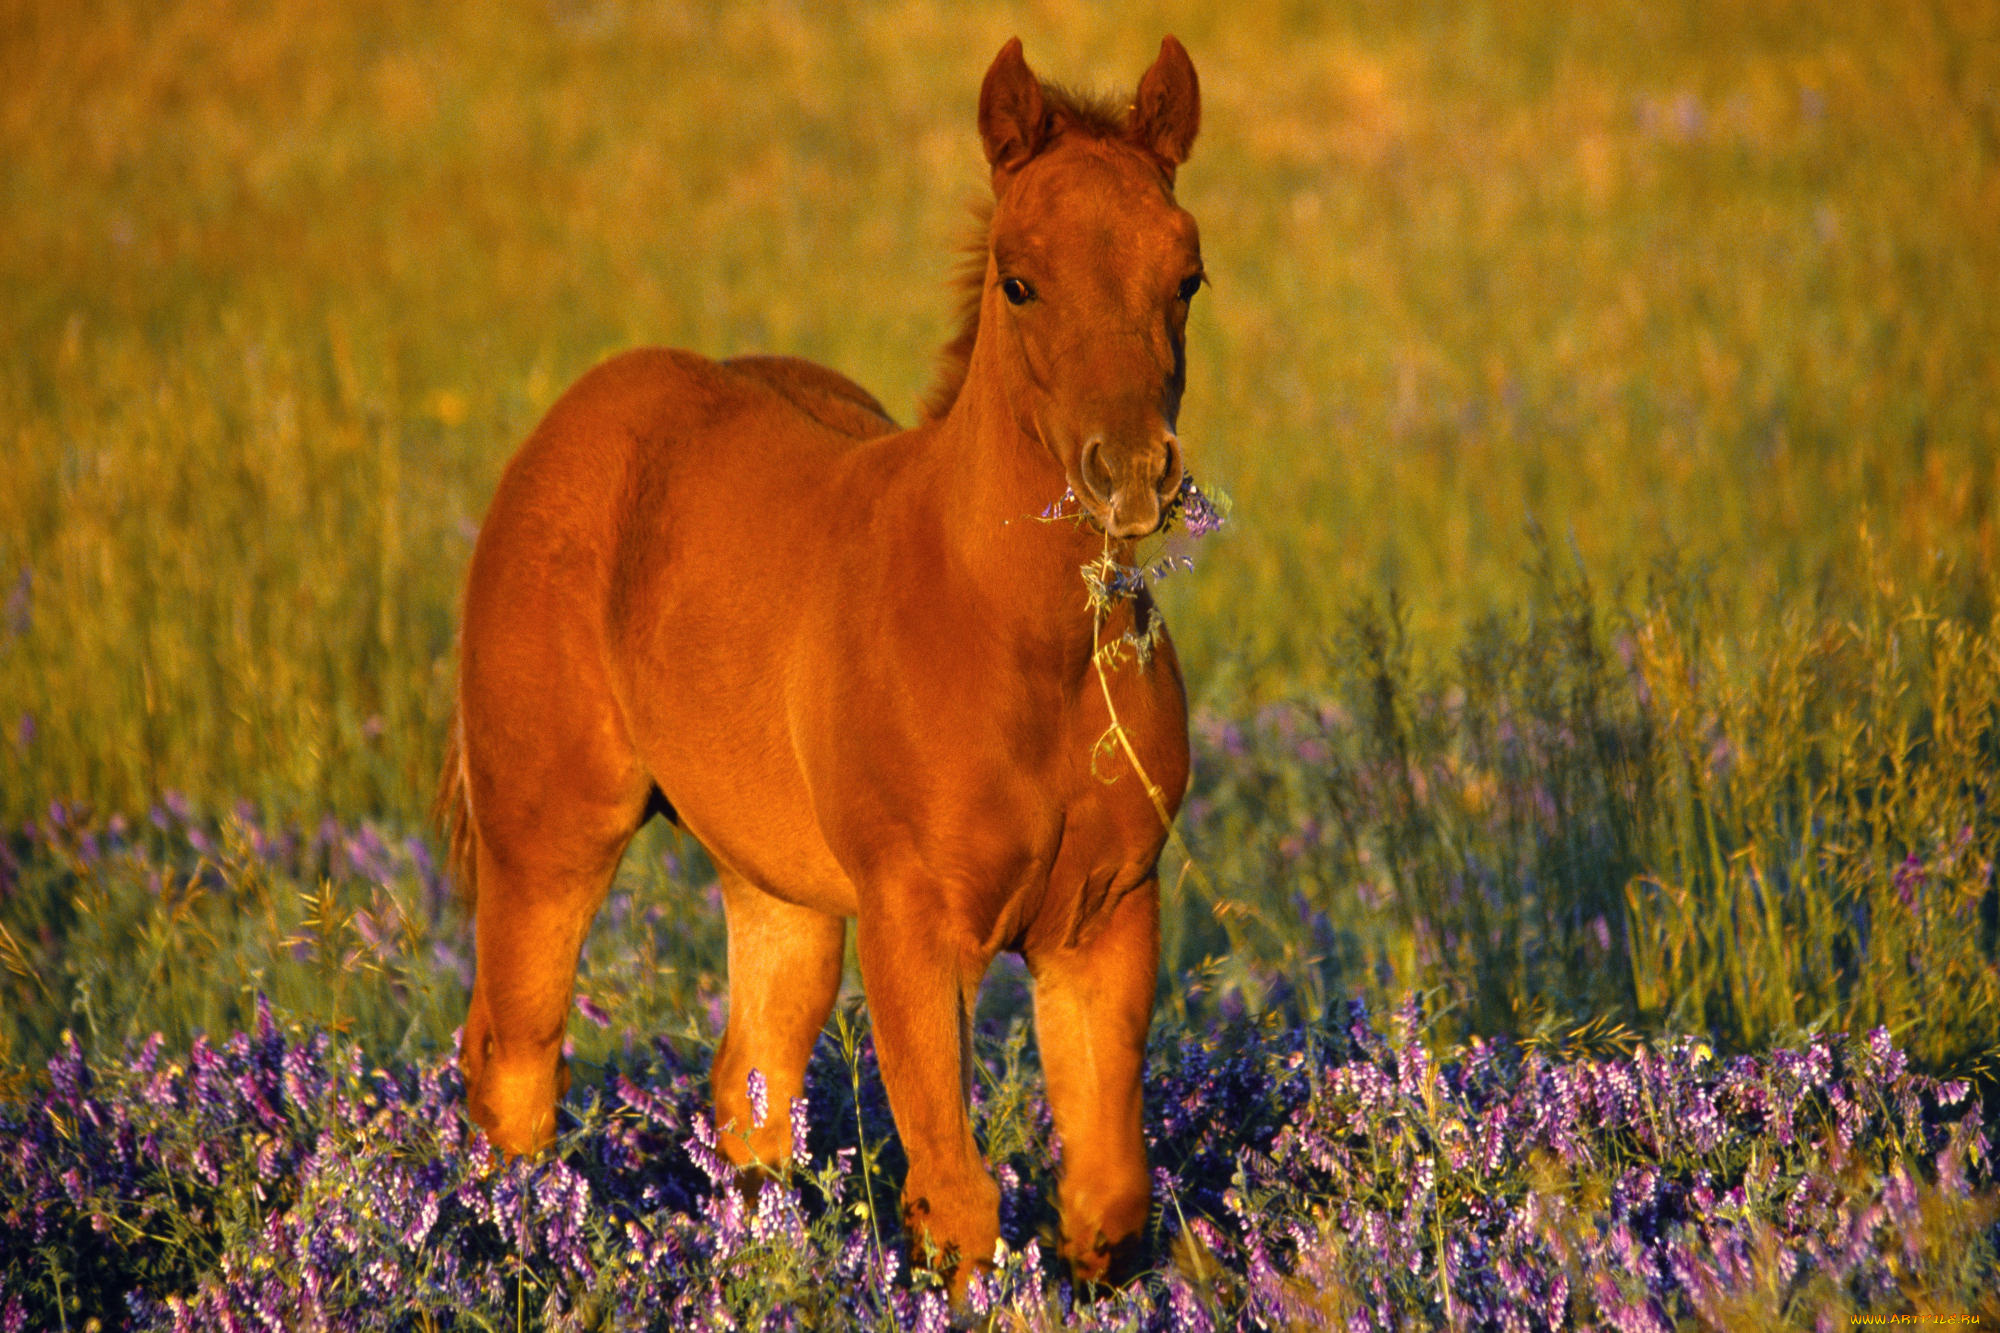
[(1092, 115)]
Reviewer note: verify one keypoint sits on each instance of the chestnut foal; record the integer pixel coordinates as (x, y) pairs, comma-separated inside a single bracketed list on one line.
[(850, 662)]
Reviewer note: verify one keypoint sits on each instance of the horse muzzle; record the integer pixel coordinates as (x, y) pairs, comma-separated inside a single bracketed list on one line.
[(1127, 493)]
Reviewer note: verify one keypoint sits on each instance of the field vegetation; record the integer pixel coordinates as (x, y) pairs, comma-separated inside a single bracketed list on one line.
[(1597, 682)]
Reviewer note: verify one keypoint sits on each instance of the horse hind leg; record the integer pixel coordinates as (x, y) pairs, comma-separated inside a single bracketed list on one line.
[(556, 796), (530, 930), (784, 975)]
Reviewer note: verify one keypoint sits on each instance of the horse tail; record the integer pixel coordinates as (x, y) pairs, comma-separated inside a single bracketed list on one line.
[(452, 813)]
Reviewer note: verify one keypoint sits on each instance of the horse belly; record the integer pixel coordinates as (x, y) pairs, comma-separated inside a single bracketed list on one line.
[(752, 815)]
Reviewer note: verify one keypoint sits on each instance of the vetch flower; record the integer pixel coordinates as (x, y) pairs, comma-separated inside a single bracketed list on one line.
[(1194, 509)]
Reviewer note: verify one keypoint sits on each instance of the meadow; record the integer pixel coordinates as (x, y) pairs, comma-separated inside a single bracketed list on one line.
[(1591, 918)]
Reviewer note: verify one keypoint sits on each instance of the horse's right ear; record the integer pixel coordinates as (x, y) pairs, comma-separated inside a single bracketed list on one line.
[(1013, 119)]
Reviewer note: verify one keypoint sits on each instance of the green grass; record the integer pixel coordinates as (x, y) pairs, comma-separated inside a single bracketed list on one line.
[(1580, 825), (1709, 295)]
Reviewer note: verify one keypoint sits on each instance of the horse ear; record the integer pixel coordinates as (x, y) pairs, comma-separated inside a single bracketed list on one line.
[(1013, 119), (1167, 112)]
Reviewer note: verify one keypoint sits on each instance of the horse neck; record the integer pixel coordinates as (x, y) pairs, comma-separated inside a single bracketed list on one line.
[(1001, 480)]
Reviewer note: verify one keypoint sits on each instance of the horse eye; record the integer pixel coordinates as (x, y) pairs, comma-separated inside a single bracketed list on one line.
[(1189, 286), (1017, 291)]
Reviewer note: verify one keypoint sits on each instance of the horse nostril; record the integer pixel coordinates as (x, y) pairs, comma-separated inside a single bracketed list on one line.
[(1170, 474), (1096, 477)]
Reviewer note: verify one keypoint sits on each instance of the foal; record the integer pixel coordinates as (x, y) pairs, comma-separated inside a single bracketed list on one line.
[(852, 663)]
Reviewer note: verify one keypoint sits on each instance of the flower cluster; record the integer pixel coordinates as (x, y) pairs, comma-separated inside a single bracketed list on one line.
[(1506, 1189), (1318, 1175), (1194, 509), (1110, 581)]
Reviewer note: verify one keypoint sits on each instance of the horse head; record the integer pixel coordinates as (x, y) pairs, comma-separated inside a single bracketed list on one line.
[(1090, 268)]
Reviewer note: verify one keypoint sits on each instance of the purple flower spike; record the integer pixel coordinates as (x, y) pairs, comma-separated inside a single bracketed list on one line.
[(1194, 508), (592, 1010), (1909, 878), (799, 1151)]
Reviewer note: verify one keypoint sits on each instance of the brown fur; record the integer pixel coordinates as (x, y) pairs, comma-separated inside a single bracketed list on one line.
[(851, 662)]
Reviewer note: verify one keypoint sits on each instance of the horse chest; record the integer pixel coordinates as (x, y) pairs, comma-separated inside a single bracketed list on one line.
[(1111, 829)]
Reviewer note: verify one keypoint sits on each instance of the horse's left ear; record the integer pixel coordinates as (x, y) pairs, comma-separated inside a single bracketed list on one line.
[(1167, 112)]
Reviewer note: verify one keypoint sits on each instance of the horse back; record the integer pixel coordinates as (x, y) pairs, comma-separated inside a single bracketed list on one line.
[(831, 399)]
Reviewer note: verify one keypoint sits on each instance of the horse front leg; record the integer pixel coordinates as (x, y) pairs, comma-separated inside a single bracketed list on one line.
[(1093, 1005), (921, 981)]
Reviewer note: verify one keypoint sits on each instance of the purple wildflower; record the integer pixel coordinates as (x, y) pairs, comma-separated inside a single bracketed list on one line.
[(705, 1151), (1908, 879), (1345, 1178), (1194, 508), (1109, 582)]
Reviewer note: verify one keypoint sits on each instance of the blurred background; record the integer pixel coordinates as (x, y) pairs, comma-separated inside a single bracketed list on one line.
[(1630, 370)]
